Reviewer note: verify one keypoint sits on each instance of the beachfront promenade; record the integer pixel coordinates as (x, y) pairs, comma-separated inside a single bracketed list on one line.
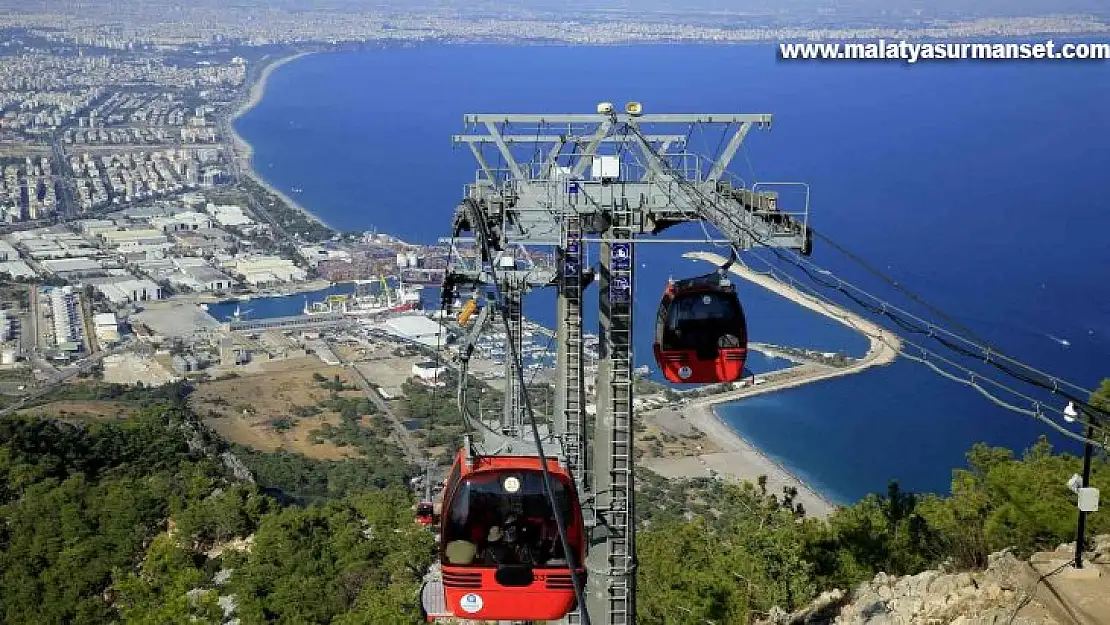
[(737, 458)]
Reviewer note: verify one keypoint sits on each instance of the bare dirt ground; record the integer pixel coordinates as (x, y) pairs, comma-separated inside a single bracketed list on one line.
[(242, 409), (669, 435), (130, 368), (91, 409), (386, 371)]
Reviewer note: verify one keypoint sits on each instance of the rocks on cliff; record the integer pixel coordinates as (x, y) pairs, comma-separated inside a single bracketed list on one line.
[(1002, 593)]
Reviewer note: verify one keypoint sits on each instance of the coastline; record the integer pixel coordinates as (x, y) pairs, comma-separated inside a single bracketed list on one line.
[(243, 151), (739, 458)]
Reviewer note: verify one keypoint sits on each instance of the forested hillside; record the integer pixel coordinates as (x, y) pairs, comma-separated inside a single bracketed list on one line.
[(139, 521)]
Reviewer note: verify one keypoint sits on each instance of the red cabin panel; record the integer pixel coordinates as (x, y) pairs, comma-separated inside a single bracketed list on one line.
[(683, 367), (475, 594)]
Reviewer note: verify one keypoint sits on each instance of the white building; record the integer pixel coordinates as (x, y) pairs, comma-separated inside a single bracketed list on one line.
[(8, 252), (429, 373), (107, 329), (182, 222), (191, 273), (267, 270), (128, 289), (416, 328), (123, 238), (74, 268), (316, 253), (17, 269), (93, 227), (228, 215), (65, 319)]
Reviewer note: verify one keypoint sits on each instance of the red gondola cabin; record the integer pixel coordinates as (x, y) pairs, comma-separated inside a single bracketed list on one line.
[(500, 552), (425, 513), (701, 335)]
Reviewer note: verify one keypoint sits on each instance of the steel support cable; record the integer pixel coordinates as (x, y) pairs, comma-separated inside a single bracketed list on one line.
[(468, 417), (905, 291), (1050, 383), (911, 328), (473, 424), (799, 261), (464, 366), (439, 334), (937, 333), (831, 307), (1039, 407), (1037, 413), (481, 237)]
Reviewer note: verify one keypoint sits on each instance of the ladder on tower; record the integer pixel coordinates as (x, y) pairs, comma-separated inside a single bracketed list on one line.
[(621, 537), (574, 435), (511, 423), (573, 408)]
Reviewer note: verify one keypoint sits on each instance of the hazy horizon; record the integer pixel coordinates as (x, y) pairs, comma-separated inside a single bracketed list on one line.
[(910, 10)]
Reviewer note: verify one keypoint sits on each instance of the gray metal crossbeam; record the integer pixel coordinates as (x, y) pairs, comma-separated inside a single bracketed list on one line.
[(729, 151), (591, 148), (505, 152)]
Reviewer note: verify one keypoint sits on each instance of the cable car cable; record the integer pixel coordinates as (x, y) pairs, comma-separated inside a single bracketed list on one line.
[(931, 329), (988, 355), (480, 229), (439, 347), (898, 285), (1039, 407)]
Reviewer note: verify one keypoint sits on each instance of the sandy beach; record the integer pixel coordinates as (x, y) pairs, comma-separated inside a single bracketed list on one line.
[(243, 151), (738, 458)]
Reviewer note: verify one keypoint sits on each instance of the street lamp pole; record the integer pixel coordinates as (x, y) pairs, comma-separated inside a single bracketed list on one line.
[(1070, 414)]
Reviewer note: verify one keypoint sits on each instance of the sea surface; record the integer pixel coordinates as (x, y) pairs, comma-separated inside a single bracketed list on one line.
[(979, 186)]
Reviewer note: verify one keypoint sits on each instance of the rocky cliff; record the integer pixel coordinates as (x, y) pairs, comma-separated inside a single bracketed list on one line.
[(1041, 590)]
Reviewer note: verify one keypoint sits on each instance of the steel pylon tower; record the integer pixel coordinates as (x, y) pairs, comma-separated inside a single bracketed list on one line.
[(567, 181)]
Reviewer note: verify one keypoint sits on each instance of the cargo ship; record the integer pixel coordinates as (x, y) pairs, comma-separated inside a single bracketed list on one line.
[(363, 303)]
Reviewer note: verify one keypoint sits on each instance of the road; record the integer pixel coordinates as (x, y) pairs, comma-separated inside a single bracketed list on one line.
[(404, 436), (67, 202), (60, 376), (30, 335)]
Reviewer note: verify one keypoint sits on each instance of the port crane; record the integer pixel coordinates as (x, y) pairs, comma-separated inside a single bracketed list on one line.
[(614, 179)]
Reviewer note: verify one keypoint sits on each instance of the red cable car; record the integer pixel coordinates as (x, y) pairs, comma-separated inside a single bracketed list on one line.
[(425, 513), (500, 553), (701, 335)]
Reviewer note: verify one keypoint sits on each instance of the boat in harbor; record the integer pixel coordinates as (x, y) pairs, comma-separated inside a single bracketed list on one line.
[(366, 303)]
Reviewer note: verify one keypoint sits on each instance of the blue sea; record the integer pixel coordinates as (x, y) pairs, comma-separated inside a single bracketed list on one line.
[(979, 186)]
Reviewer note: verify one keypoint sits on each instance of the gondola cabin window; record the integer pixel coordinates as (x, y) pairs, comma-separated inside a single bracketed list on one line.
[(504, 518)]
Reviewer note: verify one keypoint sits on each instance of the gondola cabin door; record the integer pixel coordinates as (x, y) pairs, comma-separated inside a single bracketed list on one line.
[(500, 552)]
